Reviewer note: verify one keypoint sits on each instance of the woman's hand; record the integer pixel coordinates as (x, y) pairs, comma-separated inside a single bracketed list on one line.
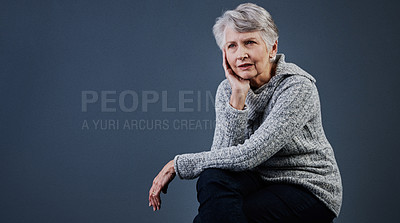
[(240, 87), (160, 183)]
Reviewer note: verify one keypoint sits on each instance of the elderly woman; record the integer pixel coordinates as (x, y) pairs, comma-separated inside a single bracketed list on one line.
[(270, 160)]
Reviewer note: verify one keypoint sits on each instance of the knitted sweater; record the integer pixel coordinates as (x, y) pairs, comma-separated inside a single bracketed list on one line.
[(279, 135)]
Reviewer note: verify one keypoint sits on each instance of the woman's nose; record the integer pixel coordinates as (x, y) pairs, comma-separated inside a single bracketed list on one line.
[(242, 56)]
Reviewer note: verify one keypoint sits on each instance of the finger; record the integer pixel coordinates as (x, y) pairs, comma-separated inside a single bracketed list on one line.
[(154, 203), (239, 78), (224, 59), (152, 196), (152, 192), (227, 65), (155, 199), (151, 203)]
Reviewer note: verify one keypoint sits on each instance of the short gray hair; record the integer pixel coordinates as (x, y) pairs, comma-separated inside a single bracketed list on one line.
[(247, 17)]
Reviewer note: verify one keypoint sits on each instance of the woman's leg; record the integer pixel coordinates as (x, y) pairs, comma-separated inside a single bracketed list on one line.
[(220, 194), (281, 203)]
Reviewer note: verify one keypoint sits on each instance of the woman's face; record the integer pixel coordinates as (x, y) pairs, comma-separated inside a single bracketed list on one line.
[(248, 56)]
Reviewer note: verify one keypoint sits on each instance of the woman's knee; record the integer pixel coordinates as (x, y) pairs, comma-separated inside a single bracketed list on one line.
[(218, 196), (285, 203), (212, 177)]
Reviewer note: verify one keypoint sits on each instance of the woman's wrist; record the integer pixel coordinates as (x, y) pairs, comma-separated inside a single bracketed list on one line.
[(238, 101), (171, 168)]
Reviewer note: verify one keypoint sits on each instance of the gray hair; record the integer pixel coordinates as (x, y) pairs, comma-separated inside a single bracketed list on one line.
[(247, 17)]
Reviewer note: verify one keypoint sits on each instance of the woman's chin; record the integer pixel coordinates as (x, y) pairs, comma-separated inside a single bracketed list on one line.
[(246, 76)]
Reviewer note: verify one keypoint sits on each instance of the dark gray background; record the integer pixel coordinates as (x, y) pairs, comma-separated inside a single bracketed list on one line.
[(50, 51)]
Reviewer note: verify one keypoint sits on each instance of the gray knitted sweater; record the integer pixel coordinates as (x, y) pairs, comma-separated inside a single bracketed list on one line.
[(279, 135)]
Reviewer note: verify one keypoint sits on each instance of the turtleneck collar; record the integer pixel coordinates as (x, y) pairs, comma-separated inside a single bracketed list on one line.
[(258, 99)]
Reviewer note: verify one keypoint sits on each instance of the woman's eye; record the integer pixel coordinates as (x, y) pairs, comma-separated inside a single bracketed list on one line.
[(231, 45), (250, 42)]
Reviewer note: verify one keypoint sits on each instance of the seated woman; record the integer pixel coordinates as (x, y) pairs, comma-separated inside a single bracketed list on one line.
[(270, 160)]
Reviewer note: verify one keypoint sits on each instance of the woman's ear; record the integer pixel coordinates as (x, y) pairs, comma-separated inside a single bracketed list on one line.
[(274, 50)]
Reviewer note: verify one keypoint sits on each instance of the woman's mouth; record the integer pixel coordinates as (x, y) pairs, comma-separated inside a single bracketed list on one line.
[(245, 66)]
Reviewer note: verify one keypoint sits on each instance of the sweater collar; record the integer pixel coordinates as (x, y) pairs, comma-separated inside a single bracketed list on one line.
[(257, 100)]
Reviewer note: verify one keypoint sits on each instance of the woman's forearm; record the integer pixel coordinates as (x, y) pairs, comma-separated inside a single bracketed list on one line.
[(295, 105), (231, 123)]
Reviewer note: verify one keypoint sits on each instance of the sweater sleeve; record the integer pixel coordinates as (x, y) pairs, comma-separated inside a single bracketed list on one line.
[(230, 123), (295, 105)]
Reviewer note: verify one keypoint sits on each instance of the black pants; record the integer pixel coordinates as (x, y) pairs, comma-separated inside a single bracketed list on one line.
[(227, 196)]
